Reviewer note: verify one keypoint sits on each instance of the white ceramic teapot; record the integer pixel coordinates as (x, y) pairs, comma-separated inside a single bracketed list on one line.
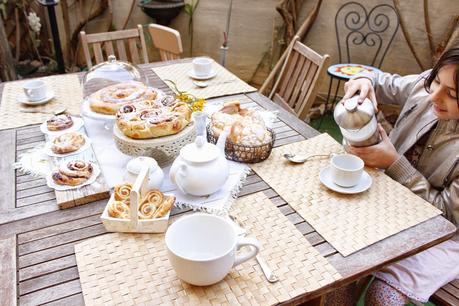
[(201, 167)]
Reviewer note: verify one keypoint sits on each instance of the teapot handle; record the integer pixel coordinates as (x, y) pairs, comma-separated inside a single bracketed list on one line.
[(182, 172)]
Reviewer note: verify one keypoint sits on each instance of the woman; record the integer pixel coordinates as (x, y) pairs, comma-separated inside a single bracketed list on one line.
[(422, 153)]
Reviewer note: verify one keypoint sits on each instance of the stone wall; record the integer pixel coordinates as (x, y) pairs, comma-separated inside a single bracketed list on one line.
[(253, 23)]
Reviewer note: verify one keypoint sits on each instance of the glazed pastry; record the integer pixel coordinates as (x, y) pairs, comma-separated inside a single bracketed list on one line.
[(123, 192), (68, 142), (150, 203), (119, 209), (73, 173), (150, 120), (110, 99), (59, 122)]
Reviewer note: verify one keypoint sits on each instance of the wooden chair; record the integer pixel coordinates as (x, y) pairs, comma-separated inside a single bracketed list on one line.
[(298, 81), (448, 295), (100, 41), (167, 40)]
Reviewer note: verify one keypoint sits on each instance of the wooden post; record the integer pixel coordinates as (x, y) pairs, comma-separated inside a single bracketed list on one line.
[(8, 73)]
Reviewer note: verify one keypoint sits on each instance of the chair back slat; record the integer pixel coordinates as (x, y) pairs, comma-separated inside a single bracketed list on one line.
[(98, 53), (167, 41), (121, 50), (290, 68), (103, 44), (108, 46), (299, 78), (133, 51), (292, 83)]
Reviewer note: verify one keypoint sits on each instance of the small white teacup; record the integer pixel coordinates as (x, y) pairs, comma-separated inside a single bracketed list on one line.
[(202, 248), (346, 169), (35, 90), (202, 66)]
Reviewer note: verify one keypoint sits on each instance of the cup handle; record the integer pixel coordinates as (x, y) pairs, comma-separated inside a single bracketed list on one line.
[(28, 92), (254, 249)]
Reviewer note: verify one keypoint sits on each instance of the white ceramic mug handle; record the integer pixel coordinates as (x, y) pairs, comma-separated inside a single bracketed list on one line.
[(29, 93), (254, 249)]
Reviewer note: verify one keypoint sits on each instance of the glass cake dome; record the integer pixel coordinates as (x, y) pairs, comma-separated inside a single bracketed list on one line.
[(109, 73)]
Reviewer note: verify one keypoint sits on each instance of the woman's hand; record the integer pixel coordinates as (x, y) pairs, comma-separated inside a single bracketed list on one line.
[(381, 155), (364, 86)]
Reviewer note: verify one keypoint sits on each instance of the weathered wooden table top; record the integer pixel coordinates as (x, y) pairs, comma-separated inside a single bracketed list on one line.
[(37, 259)]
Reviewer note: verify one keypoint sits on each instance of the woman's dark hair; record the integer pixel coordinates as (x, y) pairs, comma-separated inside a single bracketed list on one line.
[(449, 57)]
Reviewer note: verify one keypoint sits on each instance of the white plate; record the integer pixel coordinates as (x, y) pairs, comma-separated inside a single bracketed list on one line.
[(364, 184), (22, 98), (77, 124), (50, 152), (192, 75), (51, 184)]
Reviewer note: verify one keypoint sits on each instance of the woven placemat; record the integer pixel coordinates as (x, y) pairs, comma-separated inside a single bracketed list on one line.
[(224, 83), (348, 222), (130, 269), (68, 93)]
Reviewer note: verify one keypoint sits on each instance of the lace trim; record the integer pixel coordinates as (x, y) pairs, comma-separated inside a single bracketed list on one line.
[(402, 290)]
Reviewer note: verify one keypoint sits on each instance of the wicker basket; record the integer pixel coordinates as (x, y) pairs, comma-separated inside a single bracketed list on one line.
[(244, 153)]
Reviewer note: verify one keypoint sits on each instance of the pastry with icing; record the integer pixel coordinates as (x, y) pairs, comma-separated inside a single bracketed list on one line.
[(67, 143), (73, 173)]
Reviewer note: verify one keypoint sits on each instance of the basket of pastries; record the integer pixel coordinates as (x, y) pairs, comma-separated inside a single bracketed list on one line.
[(157, 128), (249, 140), (133, 208)]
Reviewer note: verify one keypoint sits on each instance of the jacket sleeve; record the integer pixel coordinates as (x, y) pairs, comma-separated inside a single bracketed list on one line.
[(447, 200), (392, 88)]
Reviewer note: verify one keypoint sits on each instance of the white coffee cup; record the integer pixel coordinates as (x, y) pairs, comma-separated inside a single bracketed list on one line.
[(346, 169), (202, 248), (35, 90), (202, 66)]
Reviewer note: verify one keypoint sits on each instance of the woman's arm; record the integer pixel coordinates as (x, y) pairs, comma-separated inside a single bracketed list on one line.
[(447, 199)]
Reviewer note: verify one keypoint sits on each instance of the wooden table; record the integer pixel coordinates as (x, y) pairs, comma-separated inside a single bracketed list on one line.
[(37, 260)]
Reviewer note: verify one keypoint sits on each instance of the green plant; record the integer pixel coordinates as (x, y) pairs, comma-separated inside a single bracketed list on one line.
[(190, 8)]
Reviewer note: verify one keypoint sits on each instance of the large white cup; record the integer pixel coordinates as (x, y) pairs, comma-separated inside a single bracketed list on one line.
[(346, 169), (202, 66), (202, 248), (35, 90)]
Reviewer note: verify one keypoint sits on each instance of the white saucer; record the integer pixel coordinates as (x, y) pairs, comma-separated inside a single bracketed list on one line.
[(22, 98), (192, 75), (364, 184), (49, 144), (77, 124)]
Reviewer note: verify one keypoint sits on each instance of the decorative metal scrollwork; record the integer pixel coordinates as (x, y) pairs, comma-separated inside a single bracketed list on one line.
[(374, 30)]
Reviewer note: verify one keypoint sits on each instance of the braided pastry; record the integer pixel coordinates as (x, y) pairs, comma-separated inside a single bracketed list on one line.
[(109, 99), (165, 207), (68, 142), (123, 192), (59, 122), (73, 173), (119, 209)]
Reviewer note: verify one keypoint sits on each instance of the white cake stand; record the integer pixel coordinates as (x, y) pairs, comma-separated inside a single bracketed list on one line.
[(163, 149)]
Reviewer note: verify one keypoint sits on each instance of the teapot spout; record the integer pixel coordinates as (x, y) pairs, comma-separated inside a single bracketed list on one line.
[(222, 140)]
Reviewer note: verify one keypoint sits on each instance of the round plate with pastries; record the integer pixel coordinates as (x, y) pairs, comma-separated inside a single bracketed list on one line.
[(73, 174), (147, 120), (66, 144), (110, 99), (59, 124)]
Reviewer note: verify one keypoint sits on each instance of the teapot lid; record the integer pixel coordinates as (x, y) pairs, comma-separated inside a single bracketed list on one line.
[(136, 164), (352, 115), (200, 151)]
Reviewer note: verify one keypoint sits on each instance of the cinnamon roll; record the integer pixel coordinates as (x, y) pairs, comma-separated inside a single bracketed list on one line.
[(165, 207), (73, 173), (123, 192), (68, 142), (59, 122), (150, 203), (119, 209)]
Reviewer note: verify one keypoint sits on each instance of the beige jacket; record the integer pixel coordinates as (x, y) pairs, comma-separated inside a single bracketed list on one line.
[(436, 178)]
